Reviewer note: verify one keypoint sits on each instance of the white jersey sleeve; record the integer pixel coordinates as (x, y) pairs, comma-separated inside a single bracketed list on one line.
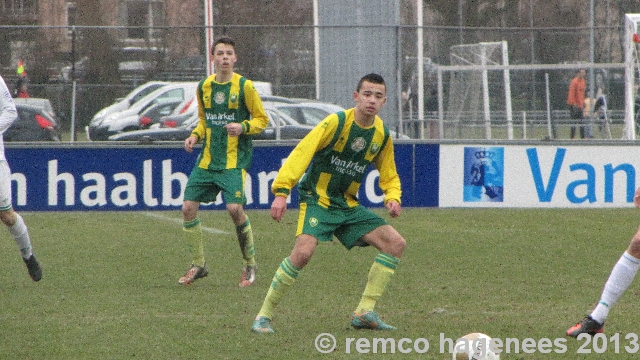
[(8, 112)]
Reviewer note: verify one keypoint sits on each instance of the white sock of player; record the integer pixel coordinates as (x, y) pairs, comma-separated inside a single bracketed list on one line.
[(21, 236), (621, 277)]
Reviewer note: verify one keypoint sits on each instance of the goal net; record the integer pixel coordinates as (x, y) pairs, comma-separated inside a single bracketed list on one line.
[(632, 64), (469, 107)]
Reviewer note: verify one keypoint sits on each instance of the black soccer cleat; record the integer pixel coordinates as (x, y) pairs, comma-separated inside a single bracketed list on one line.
[(33, 267), (586, 326)]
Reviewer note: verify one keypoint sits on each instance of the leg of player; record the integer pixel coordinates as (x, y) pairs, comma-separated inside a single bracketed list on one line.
[(20, 234), (284, 277), (391, 246), (619, 280), (245, 239), (14, 222), (193, 235)]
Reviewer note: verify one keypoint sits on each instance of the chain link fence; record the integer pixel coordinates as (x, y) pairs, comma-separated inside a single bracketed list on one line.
[(108, 62)]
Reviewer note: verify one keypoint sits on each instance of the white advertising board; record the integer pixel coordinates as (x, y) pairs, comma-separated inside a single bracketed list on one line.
[(538, 176)]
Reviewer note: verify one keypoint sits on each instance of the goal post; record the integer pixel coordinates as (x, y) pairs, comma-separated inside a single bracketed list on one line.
[(469, 100), (631, 62)]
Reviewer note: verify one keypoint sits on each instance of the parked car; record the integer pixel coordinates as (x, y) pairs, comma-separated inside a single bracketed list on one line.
[(33, 124), (312, 112), (275, 98), (172, 121), (126, 120), (152, 114), (280, 127), (178, 133), (43, 103), (307, 112), (180, 114), (131, 98)]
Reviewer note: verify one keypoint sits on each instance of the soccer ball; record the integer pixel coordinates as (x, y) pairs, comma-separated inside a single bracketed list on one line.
[(474, 346)]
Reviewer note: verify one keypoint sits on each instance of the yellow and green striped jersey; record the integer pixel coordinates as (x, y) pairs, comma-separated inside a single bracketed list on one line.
[(337, 154), (218, 105)]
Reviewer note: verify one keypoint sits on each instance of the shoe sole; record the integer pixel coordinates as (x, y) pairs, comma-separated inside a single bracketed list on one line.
[(592, 333), (262, 331), (245, 283), (367, 325)]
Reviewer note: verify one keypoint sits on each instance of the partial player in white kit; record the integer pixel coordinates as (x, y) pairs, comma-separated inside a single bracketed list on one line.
[(13, 220)]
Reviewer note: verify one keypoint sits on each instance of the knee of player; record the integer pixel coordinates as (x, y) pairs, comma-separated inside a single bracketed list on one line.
[(8, 217), (400, 243), (236, 212), (300, 257), (394, 245), (634, 246), (189, 210)]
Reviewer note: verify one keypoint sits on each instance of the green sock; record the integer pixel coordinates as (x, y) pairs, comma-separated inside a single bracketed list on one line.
[(282, 280), (380, 274), (245, 239), (193, 234)]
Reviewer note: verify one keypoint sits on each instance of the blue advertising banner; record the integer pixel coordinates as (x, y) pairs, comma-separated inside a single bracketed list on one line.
[(154, 178)]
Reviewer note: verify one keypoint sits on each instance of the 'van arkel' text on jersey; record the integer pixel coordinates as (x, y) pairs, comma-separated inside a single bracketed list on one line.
[(220, 119), (349, 168)]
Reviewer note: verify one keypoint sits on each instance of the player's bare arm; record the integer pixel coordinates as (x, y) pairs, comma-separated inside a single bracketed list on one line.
[(278, 208)]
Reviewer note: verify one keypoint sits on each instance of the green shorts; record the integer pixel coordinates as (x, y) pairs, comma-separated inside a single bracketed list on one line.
[(204, 185), (347, 225)]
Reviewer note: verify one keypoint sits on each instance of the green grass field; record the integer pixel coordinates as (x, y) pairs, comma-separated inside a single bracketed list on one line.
[(110, 290)]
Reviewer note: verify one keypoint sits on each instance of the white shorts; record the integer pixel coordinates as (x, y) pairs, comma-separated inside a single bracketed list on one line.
[(5, 186)]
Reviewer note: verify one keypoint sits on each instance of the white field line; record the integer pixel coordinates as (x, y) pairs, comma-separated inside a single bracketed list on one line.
[(176, 220)]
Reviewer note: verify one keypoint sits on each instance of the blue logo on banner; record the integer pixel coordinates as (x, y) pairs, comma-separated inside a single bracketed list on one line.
[(483, 174)]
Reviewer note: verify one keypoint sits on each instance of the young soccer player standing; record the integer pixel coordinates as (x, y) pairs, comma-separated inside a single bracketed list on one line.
[(337, 153), (230, 111)]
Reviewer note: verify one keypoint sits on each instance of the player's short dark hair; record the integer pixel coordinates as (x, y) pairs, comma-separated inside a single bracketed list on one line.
[(372, 78), (223, 40)]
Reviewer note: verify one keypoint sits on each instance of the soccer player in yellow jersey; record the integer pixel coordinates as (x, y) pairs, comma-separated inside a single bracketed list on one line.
[(337, 152), (230, 111)]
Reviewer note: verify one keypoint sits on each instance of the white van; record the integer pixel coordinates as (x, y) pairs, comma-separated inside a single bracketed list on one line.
[(126, 120), (129, 99)]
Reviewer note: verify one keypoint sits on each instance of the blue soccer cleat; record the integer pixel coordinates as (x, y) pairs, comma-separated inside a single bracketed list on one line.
[(369, 320), (262, 325)]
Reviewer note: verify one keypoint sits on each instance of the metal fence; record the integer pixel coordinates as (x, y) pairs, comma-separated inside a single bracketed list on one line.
[(106, 64)]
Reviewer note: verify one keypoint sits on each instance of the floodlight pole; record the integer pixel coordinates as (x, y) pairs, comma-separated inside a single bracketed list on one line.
[(73, 82), (316, 46), (208, 32), (589, 132), (420, 70)]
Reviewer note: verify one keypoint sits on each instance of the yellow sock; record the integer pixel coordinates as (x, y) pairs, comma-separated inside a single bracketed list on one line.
[(245, 239), (193, 235), (380, 274), (282, 280)]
